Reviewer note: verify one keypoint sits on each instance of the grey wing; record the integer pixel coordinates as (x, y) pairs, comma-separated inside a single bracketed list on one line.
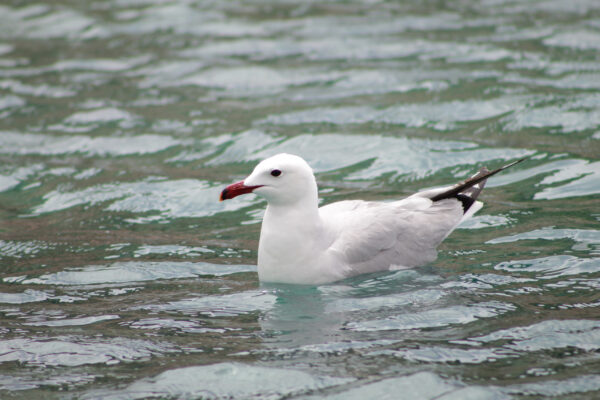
[(373, 236), (370, 236)]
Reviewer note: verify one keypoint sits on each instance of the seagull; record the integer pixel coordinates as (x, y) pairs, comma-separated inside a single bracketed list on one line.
[(302, 243)]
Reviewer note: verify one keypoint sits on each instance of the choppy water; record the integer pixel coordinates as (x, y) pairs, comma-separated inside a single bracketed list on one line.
[(121, 276)]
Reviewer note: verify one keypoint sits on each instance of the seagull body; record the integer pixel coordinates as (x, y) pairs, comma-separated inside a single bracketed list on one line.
[(301, 243)]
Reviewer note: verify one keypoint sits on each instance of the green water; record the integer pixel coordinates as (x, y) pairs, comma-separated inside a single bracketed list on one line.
[(122, 276)]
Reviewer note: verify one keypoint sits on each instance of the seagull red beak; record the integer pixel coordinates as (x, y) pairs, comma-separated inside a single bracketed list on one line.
[(235, 190)]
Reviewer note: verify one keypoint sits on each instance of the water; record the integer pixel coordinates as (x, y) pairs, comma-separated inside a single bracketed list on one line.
[(122, 276)]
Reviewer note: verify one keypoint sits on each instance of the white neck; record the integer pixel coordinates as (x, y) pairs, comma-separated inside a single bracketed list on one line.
[(289, 236)]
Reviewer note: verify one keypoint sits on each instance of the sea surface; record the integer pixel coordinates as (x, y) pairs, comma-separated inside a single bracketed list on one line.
[(123, 277)]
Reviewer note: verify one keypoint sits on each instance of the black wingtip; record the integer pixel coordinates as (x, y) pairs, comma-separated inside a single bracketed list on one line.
[(512, 163), (461, 191)]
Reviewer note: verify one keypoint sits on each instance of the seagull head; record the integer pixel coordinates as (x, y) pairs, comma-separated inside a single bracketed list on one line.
[(281, 179)]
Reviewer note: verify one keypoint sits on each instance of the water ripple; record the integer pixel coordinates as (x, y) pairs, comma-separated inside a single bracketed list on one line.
[(10, 102), (585, 239), (449, 355), (219, 306), (133, 271), (76, 351), (421, 385), (160, 199), (435, 318), (15, 249), (544, 336), (438, 116), (416, 298), (55, 380), (121, 121), (174, 325), (73, 321), (327, 152), (34, 143), (40, 22), (36, 90), (223, 380), (547, 335), (27, 296), (552, 267), (555, 388), (584, 180), (575, 39)]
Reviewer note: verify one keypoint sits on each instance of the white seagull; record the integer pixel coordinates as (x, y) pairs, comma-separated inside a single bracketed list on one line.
[(301, 243)]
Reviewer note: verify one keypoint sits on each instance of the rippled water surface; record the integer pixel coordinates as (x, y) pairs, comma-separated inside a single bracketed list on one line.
[(122, 276)]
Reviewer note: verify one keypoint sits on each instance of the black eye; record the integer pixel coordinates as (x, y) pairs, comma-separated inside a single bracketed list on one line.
[(276, 172)]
